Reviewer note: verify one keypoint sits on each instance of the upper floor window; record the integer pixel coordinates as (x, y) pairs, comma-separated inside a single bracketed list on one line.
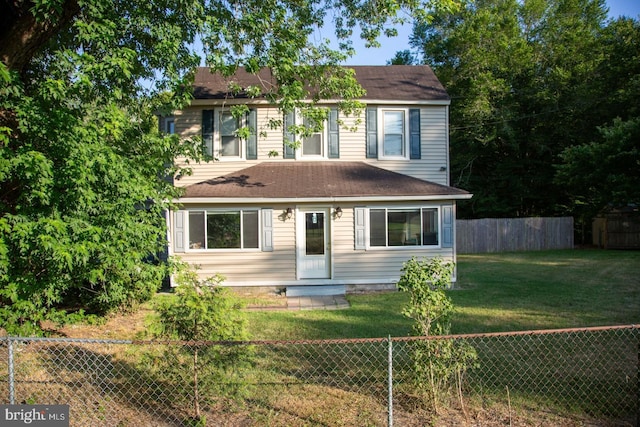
[(168, 125), (229, 136), (229, 142), (393, 131), (314, 144), (316, 140)]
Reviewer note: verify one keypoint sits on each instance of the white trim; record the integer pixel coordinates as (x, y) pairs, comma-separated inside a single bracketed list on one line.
[(300, 219), (387, 247), (405, 133), (217, 137), (324, 135), (312, 282), (188, 249)]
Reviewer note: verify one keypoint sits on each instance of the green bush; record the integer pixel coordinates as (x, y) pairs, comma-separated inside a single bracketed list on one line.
[(438, 363), (209, 320)]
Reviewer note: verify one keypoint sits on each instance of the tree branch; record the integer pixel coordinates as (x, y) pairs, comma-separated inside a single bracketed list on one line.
[(23, 34)]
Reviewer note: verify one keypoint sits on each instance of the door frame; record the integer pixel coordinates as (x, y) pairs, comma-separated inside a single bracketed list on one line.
[(301, 241)]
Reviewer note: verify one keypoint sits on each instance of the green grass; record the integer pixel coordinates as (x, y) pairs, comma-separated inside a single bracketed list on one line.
[(494, 292), (547, 289)]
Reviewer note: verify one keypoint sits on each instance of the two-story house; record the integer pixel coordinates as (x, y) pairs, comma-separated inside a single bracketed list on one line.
[(343, 210)]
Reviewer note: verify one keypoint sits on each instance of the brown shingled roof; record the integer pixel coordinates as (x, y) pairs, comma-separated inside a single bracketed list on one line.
[(280, 180), (386, 82)]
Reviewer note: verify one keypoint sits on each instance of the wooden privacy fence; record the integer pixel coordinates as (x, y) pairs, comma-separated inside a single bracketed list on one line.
[(475, 236)]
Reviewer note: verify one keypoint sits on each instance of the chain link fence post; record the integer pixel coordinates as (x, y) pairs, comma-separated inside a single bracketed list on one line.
[(390, 379), (638, 385), (11, 372)]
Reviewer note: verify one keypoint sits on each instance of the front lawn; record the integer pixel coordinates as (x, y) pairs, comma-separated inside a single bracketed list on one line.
[(494, 292)]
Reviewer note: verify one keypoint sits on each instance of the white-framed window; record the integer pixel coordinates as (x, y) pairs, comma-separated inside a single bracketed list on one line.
[(315, 144), (227, 143), (322, 143), (223, 229), (393, 133), (403, 226)]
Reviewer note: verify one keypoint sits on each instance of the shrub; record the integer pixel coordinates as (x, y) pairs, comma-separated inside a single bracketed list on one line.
[(438, 363), (202, 312)]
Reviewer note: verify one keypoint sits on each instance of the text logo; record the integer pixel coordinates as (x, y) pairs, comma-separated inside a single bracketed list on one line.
[(34, 415)]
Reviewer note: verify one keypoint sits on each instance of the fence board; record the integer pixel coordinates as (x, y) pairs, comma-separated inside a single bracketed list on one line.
[(513, 234)]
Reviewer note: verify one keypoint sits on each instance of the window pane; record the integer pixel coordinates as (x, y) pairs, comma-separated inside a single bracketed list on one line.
[(393, 133), (250, 229), (393, 145), (228, 124), (430, 226), (196, 230), (403, 227), (230, 146), (170, 126), (314, 233), (377, 227), (312, 145), (223, 230), (393, 122)]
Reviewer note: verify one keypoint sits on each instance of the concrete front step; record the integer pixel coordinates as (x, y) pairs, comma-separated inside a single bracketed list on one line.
[(315, 290)]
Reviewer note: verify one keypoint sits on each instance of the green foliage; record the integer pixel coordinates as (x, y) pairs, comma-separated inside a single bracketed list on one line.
[(202, 312), (605, 173), (437, 363), (527, 81), (429, 306), (83, 168)]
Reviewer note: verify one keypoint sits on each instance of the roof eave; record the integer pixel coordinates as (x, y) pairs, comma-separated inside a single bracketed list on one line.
[(336, 199), (259, 101)]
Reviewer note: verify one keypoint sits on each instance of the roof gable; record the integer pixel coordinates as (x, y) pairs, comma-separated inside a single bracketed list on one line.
[(381, 83)]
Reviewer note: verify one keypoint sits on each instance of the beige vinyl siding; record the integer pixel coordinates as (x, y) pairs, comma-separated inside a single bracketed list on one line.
[(188, 124), (241, 267), (349, 266), (434, 145)]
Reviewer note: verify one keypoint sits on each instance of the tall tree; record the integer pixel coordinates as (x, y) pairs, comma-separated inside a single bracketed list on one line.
[(601, 172), (521, 78), (82, 164)]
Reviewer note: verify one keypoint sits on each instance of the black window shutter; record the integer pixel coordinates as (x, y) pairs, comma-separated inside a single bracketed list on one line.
[(289, 137), (372, 133), (414, 133), (334, 134), (207, 132), (252, 141)]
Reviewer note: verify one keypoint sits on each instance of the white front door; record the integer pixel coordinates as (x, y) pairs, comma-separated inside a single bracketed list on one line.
[(313, 244)]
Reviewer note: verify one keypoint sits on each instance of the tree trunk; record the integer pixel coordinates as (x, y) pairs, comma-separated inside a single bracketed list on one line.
[(22, 35)]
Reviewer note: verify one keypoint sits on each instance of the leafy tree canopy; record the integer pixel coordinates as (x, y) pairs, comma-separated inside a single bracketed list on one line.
[(82, 164), (529, 80)]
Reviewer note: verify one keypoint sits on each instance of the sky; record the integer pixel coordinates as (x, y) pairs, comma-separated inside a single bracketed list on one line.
[(380, 56)]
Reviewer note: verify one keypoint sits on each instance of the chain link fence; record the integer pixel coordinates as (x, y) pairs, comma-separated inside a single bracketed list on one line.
[(571, 377)]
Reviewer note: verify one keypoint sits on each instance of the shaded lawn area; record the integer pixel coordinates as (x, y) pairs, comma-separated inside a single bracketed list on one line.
[(494, 292)]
